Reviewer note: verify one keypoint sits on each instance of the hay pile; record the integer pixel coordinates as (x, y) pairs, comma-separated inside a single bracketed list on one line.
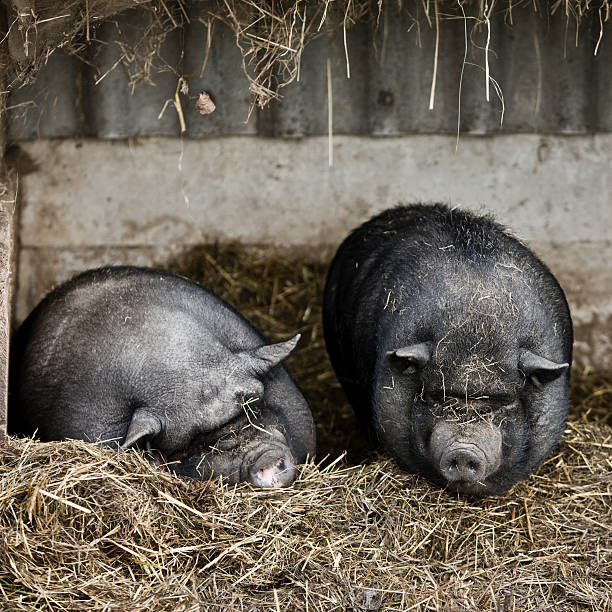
[(86, 528)]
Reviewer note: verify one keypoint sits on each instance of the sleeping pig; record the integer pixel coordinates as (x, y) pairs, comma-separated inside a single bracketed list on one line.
[(453, 342), (138, 357)]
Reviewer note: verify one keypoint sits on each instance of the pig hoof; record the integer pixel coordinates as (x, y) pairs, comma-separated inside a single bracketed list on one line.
[(271, 471)]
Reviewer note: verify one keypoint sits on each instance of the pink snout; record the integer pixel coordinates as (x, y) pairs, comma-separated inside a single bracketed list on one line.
[(466, 454), (273, 469)]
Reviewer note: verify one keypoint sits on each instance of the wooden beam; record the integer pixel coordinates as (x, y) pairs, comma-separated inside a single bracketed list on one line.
[(8, 197)]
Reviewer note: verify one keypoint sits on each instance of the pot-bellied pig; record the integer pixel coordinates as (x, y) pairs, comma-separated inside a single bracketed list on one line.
[(453, 342), (138, 357)]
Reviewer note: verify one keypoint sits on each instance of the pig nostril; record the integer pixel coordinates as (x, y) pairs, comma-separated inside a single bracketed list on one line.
[(462, 465), (272, 471)]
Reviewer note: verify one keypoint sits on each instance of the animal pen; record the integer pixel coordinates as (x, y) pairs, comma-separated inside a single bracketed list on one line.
[(237, 143)]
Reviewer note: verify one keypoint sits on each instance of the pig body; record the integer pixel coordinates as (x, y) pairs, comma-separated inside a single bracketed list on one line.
[(141, 357), (453, 342)]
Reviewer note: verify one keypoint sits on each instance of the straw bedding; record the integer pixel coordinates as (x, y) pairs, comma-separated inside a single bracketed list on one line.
[(86, 528)]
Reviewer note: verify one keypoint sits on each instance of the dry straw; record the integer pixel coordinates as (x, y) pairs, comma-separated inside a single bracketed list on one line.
[(270, 34), (87, 528)]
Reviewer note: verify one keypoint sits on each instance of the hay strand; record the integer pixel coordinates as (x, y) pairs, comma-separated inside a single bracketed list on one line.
[(271, 35)]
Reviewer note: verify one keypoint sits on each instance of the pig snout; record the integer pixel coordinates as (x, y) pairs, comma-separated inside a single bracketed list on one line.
[(268, 463), (466, 455), (273, 469), (463, 463)]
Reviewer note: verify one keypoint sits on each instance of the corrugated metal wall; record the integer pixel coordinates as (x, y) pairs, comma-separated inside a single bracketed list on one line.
[(549, 84)]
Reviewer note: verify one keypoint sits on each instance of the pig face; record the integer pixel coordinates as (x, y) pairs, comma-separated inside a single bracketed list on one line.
[(474, 427), (229, 438), (234, 383), (240, 452)]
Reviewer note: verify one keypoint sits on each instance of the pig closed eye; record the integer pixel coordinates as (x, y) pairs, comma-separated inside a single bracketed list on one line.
[(226, 444), (248, 401)]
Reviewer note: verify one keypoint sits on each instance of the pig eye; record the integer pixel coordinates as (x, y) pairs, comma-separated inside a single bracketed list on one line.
[(502, 404), (226, 444)]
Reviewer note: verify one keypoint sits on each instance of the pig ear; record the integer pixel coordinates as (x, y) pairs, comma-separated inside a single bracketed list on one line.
[(143, 425), (539, 369), (264, 358), (414, 357)]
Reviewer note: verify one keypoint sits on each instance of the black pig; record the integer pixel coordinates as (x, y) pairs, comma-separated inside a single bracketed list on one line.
[(140, 357), (453, 342)]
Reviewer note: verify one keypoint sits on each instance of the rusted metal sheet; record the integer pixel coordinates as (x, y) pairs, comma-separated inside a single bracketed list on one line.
[(548, 83)]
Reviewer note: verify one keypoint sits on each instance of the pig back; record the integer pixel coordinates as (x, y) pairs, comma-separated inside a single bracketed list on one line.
[(113, 339)]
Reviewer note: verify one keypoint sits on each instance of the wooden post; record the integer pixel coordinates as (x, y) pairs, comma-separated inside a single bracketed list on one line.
[(8, 197), (7, 209)]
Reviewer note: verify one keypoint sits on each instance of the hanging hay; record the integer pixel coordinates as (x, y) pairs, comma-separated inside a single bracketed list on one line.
[(271, 35), (86, 528)]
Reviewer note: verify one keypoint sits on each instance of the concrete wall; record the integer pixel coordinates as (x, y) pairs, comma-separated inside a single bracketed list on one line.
[(87, 203)]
